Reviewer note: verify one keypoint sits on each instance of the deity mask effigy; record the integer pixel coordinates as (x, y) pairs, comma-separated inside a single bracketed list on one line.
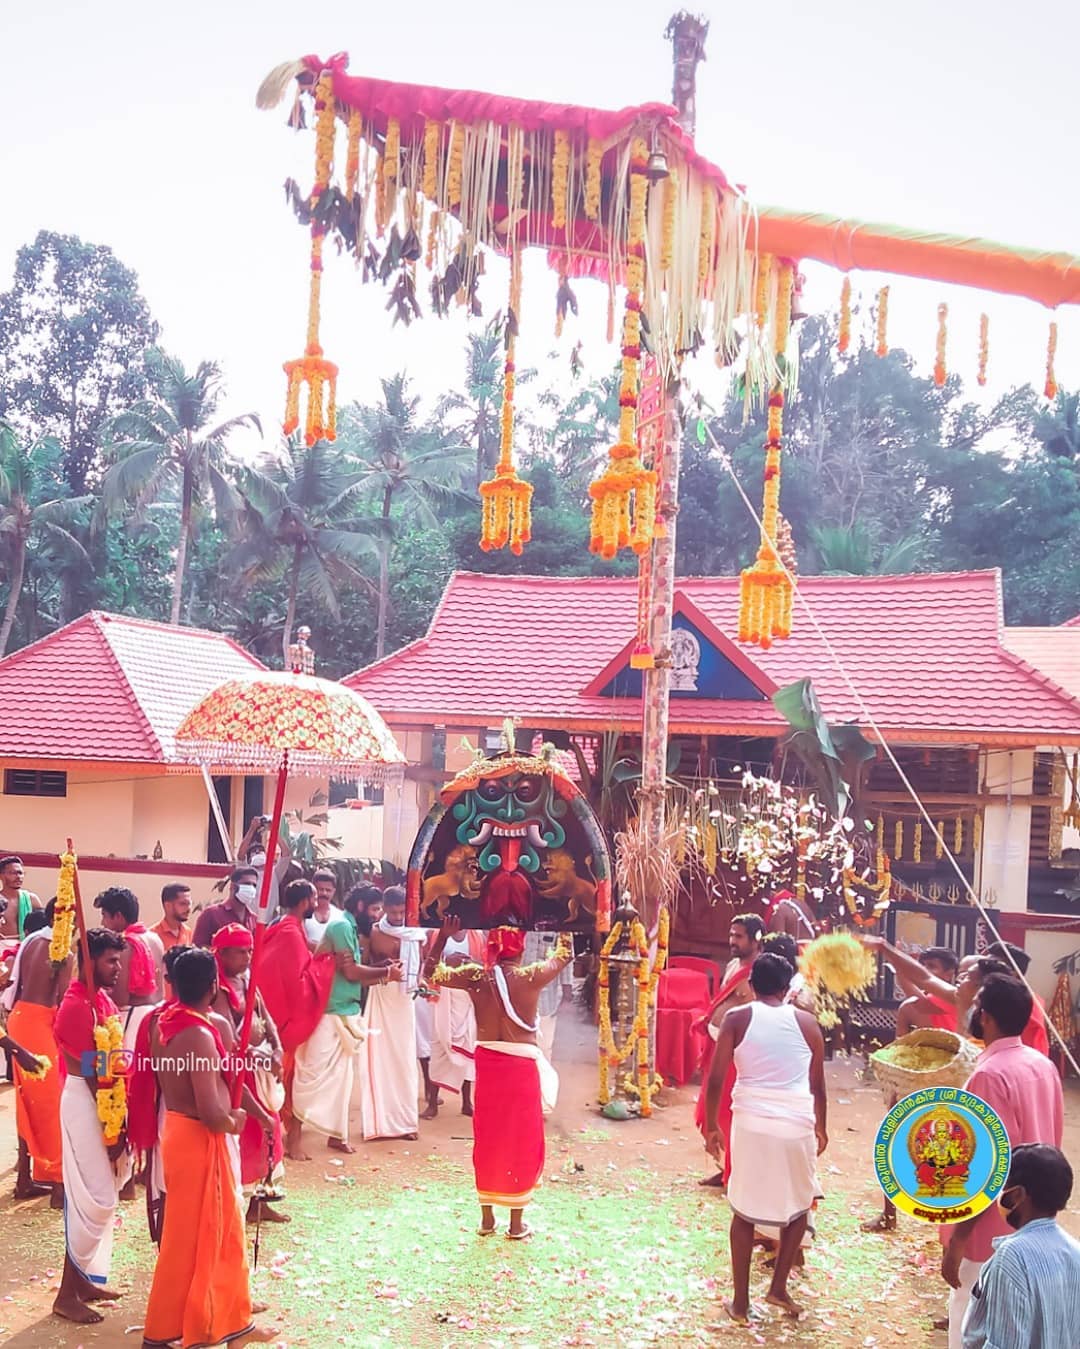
[(511, 841)]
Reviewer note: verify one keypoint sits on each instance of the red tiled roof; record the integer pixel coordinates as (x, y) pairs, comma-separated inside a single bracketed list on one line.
[(923, 651), (1054, 652), (109, 688)]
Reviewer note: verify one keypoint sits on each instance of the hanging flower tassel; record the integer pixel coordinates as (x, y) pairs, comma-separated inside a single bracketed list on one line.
[(1051, 388), (844, 338), (940, 373), (593, 158), (881, 342), (560, 179), (765, 590), (984, 348), (312, 369), (506, 499), (624, 496), (432, 141), (63, 928)]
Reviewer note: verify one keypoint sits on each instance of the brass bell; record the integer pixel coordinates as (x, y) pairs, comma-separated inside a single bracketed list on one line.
[(657, 167)]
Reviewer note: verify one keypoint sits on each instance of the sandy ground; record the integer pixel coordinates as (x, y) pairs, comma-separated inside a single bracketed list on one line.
[(628, 1248)]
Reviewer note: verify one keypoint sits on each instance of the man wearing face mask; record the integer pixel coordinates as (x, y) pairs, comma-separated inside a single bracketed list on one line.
[(239, 907), (1023, 1088), (1028, 1294)]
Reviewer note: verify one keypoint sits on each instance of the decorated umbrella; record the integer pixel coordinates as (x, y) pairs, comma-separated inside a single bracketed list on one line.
[(289, 724)]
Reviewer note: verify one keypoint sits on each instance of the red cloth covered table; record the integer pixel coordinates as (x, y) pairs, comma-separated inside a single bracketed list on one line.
[(682, 997)]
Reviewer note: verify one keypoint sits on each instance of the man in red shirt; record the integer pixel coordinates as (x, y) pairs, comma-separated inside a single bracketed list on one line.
[(91, 1182), (1023, 1087)]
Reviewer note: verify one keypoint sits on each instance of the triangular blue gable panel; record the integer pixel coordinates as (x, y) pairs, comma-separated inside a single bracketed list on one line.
[(699, 670)]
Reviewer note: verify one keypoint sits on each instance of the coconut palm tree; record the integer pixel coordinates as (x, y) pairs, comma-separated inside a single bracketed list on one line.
[(481, 401), (844, 551), (28, 524), (405, 463), (166, 443), (299, 524)]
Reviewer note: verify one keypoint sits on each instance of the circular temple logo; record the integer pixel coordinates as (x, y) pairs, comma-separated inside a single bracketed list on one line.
[(941, 1155)]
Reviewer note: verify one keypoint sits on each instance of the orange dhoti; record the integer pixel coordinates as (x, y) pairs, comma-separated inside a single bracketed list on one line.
[(37, 1101), (200, 1291)]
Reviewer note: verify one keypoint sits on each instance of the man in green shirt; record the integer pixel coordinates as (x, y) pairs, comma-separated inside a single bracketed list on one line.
[(18, 903), (326, 1063)]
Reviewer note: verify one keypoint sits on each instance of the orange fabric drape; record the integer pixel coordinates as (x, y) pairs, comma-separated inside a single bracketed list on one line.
[(200, 1289), (1049, 278), (37, 1100)]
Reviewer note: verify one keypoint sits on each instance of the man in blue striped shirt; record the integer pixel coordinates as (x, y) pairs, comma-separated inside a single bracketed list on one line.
[(1027, 1295)]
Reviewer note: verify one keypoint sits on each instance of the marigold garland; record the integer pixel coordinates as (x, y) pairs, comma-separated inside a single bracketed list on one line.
[(898, 839), (624, 495), (432, 139), (312, 369), (44, 1067), (560, 179), (352, 155), (1051, 386), (63, 933), (707, 239), (111, 1088), (881, 342), (506, 499), (939, 842), (940, 373), (976, 834), (667, 238), (761, 294), (455, 164), (916, 843), (843, 341), (593, 157), (958, 836), (984, 348), (765, 590), (647, 1084)]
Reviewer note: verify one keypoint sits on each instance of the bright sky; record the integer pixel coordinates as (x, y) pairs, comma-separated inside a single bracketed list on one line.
[(135, 126)]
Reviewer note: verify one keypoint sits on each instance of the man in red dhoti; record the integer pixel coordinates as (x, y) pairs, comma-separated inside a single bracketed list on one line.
[(199, 1295), (295, 985), (744, 941), (510, 1095)]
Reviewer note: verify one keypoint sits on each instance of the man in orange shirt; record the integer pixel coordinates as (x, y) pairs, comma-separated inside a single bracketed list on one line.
[(173, 928)]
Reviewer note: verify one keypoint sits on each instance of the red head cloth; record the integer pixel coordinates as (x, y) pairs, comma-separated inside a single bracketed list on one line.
[(233, 934), (505, 943)]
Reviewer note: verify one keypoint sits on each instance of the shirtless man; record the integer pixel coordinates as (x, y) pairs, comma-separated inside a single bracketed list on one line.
[(38, 985), (786, 913), (508, 1120), (203, 1233), (18, 903)]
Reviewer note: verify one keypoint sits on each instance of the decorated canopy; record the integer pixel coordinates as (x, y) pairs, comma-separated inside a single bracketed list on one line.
[(443, 176), (315, 726)]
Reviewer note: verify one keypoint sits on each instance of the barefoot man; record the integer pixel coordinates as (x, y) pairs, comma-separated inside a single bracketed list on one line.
[(389, 1103), (295, 984), (744, 942), (91, 1182), (778, 1126), (328, 1062), (31, 1000), (453, 1030), (508, 1119), (200, 1293)]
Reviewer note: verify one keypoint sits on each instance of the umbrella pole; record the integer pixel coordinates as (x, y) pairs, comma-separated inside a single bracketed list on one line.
[(260, 928)]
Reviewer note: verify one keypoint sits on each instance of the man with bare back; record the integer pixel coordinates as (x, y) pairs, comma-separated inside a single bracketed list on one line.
[(200, 1292), (508, 1119), (37, 985)]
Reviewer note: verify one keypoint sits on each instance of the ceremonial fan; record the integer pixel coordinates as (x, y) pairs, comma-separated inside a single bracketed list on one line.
[(289, 724)]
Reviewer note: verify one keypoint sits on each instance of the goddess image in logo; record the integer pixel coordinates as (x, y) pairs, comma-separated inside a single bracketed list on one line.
[(941, 1144)]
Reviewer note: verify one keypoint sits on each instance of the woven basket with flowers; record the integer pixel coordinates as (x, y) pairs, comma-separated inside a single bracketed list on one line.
[(924, 1058)]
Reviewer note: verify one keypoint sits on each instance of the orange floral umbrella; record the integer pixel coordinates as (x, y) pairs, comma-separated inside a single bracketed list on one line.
[(314, 727), (285, 723)]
